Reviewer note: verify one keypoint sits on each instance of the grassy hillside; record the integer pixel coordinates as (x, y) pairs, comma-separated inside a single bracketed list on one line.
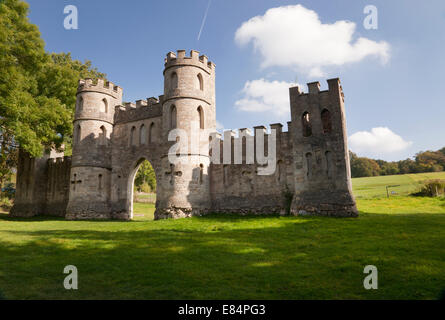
[(375, 187), (233, 257)]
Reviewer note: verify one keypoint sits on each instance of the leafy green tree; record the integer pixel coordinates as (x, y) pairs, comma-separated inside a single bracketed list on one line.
[(363, 167), (145, 175), (431, 161), (59, 82), (37, 89), (389, 168)]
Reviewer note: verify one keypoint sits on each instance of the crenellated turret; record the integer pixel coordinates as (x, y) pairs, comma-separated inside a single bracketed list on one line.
[(92, 146), (188, 104)]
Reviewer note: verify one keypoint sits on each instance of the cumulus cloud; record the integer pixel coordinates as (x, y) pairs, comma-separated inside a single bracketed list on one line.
[(265, 96), (380, 141), (293, 36)]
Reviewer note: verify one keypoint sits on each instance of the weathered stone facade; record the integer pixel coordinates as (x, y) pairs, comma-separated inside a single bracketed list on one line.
[(311, 175)]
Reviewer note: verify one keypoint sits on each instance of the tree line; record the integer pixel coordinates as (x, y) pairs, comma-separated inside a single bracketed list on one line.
[(424, 161)]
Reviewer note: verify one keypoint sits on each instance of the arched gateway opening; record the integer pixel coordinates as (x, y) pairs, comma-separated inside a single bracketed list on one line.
[(143, 189)]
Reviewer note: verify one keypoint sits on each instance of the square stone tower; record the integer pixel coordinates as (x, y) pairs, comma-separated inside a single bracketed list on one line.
[(321, 158)]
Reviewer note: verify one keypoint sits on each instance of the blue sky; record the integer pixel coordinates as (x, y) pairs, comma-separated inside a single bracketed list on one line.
[(393, 83)]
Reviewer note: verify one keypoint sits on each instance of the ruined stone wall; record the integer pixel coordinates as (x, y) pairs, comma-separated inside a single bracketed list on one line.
[(41, 185), (57, 186), (238, 188)]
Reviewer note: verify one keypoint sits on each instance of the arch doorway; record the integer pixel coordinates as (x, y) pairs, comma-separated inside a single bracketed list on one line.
[(143, 189)]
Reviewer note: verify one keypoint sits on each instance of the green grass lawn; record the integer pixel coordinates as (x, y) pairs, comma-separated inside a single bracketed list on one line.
[(375, 187), (231, 257)]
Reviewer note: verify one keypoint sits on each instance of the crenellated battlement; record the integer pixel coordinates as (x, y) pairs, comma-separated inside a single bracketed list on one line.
[(141, 109), (59, 160), (238, 133), (101, 86), (180, 58), (239, 146), (334, 85)]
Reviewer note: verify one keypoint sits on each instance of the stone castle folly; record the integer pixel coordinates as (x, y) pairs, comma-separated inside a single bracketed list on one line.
[(311, 176)]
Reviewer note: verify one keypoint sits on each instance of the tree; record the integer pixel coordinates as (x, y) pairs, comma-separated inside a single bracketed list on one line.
[(59, 81), (37, 89), (431, 160), (389, 168), (145, 175), (363, 167)]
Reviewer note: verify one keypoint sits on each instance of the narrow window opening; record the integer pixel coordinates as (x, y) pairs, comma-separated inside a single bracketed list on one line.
[(100, 182), (78, 134), (173, 117), (200, 82), (279, 170), (174, 81), (142, 135), (307, 126), (326, 121), (201, 117), (80, 105), (151, 132), (201, 173), (103, 136), (103, 106), (133, 136), (309, 165)]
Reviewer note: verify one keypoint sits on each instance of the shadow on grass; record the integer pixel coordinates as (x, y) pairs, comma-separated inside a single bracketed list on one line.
[(211, 258), (43, 218)]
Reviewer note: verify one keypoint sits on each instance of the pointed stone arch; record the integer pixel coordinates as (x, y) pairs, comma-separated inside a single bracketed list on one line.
[(130, 184)]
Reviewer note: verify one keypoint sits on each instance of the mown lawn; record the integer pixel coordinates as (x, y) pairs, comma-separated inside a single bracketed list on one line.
[(230, 257)]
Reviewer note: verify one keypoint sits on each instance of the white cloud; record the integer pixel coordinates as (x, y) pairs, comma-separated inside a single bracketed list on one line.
[(219, 125), (293, 36), (265, 96), (381, 141)]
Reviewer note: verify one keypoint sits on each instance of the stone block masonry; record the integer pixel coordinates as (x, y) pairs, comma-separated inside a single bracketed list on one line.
[(311, 173)]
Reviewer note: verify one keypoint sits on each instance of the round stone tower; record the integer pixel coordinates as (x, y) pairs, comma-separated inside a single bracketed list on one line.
[(90, 176), (188, 105)]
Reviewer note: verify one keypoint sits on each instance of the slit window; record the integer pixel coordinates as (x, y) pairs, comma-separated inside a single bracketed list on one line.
[(326, 121), (142, 135), (201, 117), (306, 123), (103, 136), (151, 132), (103, 106), (173, 116), (133, 136), (174, 81)]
